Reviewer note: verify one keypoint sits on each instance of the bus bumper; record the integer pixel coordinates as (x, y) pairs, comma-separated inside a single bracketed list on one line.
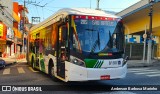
[(86, 74)]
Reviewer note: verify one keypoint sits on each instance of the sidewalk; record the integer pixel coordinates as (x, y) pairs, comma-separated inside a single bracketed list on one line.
[(140, 63), (11, 60)]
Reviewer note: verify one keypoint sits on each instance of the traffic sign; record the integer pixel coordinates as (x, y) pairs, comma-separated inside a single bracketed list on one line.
[(144, 36)]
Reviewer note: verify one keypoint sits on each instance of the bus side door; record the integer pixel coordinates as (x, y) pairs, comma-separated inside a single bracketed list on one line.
[(62, 47), (37, 51)]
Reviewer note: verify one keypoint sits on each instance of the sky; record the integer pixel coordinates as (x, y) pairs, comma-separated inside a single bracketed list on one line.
[(45, 8)]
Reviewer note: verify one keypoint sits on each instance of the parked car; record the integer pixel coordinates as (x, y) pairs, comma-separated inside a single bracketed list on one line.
[(2, 63)]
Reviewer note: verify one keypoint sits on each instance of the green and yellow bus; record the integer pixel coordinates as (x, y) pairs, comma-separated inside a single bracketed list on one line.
[(79, 44)]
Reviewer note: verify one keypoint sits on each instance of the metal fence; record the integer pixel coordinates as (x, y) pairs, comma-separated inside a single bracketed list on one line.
[(135, 50)]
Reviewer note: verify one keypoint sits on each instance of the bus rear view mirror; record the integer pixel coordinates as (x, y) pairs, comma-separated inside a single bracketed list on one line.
[(126, 59)]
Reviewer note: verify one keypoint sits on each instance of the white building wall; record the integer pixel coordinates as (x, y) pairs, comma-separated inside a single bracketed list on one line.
[(6, 12)]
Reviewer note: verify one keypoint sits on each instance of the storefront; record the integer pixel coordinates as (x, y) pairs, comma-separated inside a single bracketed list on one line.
[(10, 42), (2, 46), (2, 38)]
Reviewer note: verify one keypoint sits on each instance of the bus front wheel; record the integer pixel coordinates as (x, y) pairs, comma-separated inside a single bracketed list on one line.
[(51, 71)]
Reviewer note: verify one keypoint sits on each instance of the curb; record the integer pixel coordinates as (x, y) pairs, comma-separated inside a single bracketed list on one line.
[(138, 66), (8, 64)]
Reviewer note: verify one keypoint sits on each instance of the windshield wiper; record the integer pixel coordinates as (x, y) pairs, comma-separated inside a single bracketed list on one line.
[(97, 42), (110, 40)]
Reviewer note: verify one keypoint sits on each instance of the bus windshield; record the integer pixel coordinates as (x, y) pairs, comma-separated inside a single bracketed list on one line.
[(99, 35)]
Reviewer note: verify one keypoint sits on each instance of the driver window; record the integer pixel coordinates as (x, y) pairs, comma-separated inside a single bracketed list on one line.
[(63, 36)]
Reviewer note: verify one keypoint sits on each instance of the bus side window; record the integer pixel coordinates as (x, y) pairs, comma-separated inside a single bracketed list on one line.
[(64, 33), (73, 44), (64, 36)]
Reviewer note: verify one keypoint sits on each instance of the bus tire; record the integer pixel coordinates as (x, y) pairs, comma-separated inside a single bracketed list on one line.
[(51, 71)]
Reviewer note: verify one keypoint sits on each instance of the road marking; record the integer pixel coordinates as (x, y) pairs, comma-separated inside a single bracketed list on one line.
[(32, 69), (141, 70), (148, 72), (153, 75), (6, 71), (145, 71), (20, 70)]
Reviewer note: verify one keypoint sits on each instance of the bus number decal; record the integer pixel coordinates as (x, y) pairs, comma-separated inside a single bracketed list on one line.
[(84, 22), (94, 22)]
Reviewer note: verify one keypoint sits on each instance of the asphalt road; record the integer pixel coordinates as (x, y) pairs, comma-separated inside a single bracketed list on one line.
[(21, 74)]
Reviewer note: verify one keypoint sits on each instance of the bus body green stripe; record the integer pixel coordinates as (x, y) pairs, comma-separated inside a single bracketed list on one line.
[(90, 63), (97, 64), (93, 63), (101, 64), (42, 65)]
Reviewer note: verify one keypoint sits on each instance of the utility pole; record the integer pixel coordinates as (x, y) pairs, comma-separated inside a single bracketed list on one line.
[(149, 62), (23, 27), (98, 4), (144, 48), (90, 4), (24, 22)]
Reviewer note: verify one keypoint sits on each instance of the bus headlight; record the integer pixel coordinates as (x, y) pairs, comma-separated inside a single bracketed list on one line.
[(125, 60), (77, 62)]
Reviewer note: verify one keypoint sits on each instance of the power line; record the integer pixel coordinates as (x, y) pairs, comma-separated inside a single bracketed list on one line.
[(49, 9), (38, 5), (49, 2), (40, 2), (42, 6), (37, 10), (43, 13), (82, 7)]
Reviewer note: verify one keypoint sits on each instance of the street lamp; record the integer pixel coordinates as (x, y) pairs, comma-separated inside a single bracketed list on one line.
[(150, 14), (98, 4), (149, 55)]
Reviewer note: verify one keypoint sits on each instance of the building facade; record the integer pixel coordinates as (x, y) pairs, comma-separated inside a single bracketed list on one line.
[(11, 28), (6, 25), (136, 21)]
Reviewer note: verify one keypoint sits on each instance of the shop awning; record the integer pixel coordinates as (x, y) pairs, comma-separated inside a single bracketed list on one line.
[(17, 33), (16, 17)]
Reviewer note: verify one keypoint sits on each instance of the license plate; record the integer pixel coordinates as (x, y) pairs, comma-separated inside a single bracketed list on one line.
[(113, 62), (105, 77)]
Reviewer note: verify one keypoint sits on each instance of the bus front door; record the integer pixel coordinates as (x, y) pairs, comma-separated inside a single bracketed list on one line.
[(36, 65), (62, 50)]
